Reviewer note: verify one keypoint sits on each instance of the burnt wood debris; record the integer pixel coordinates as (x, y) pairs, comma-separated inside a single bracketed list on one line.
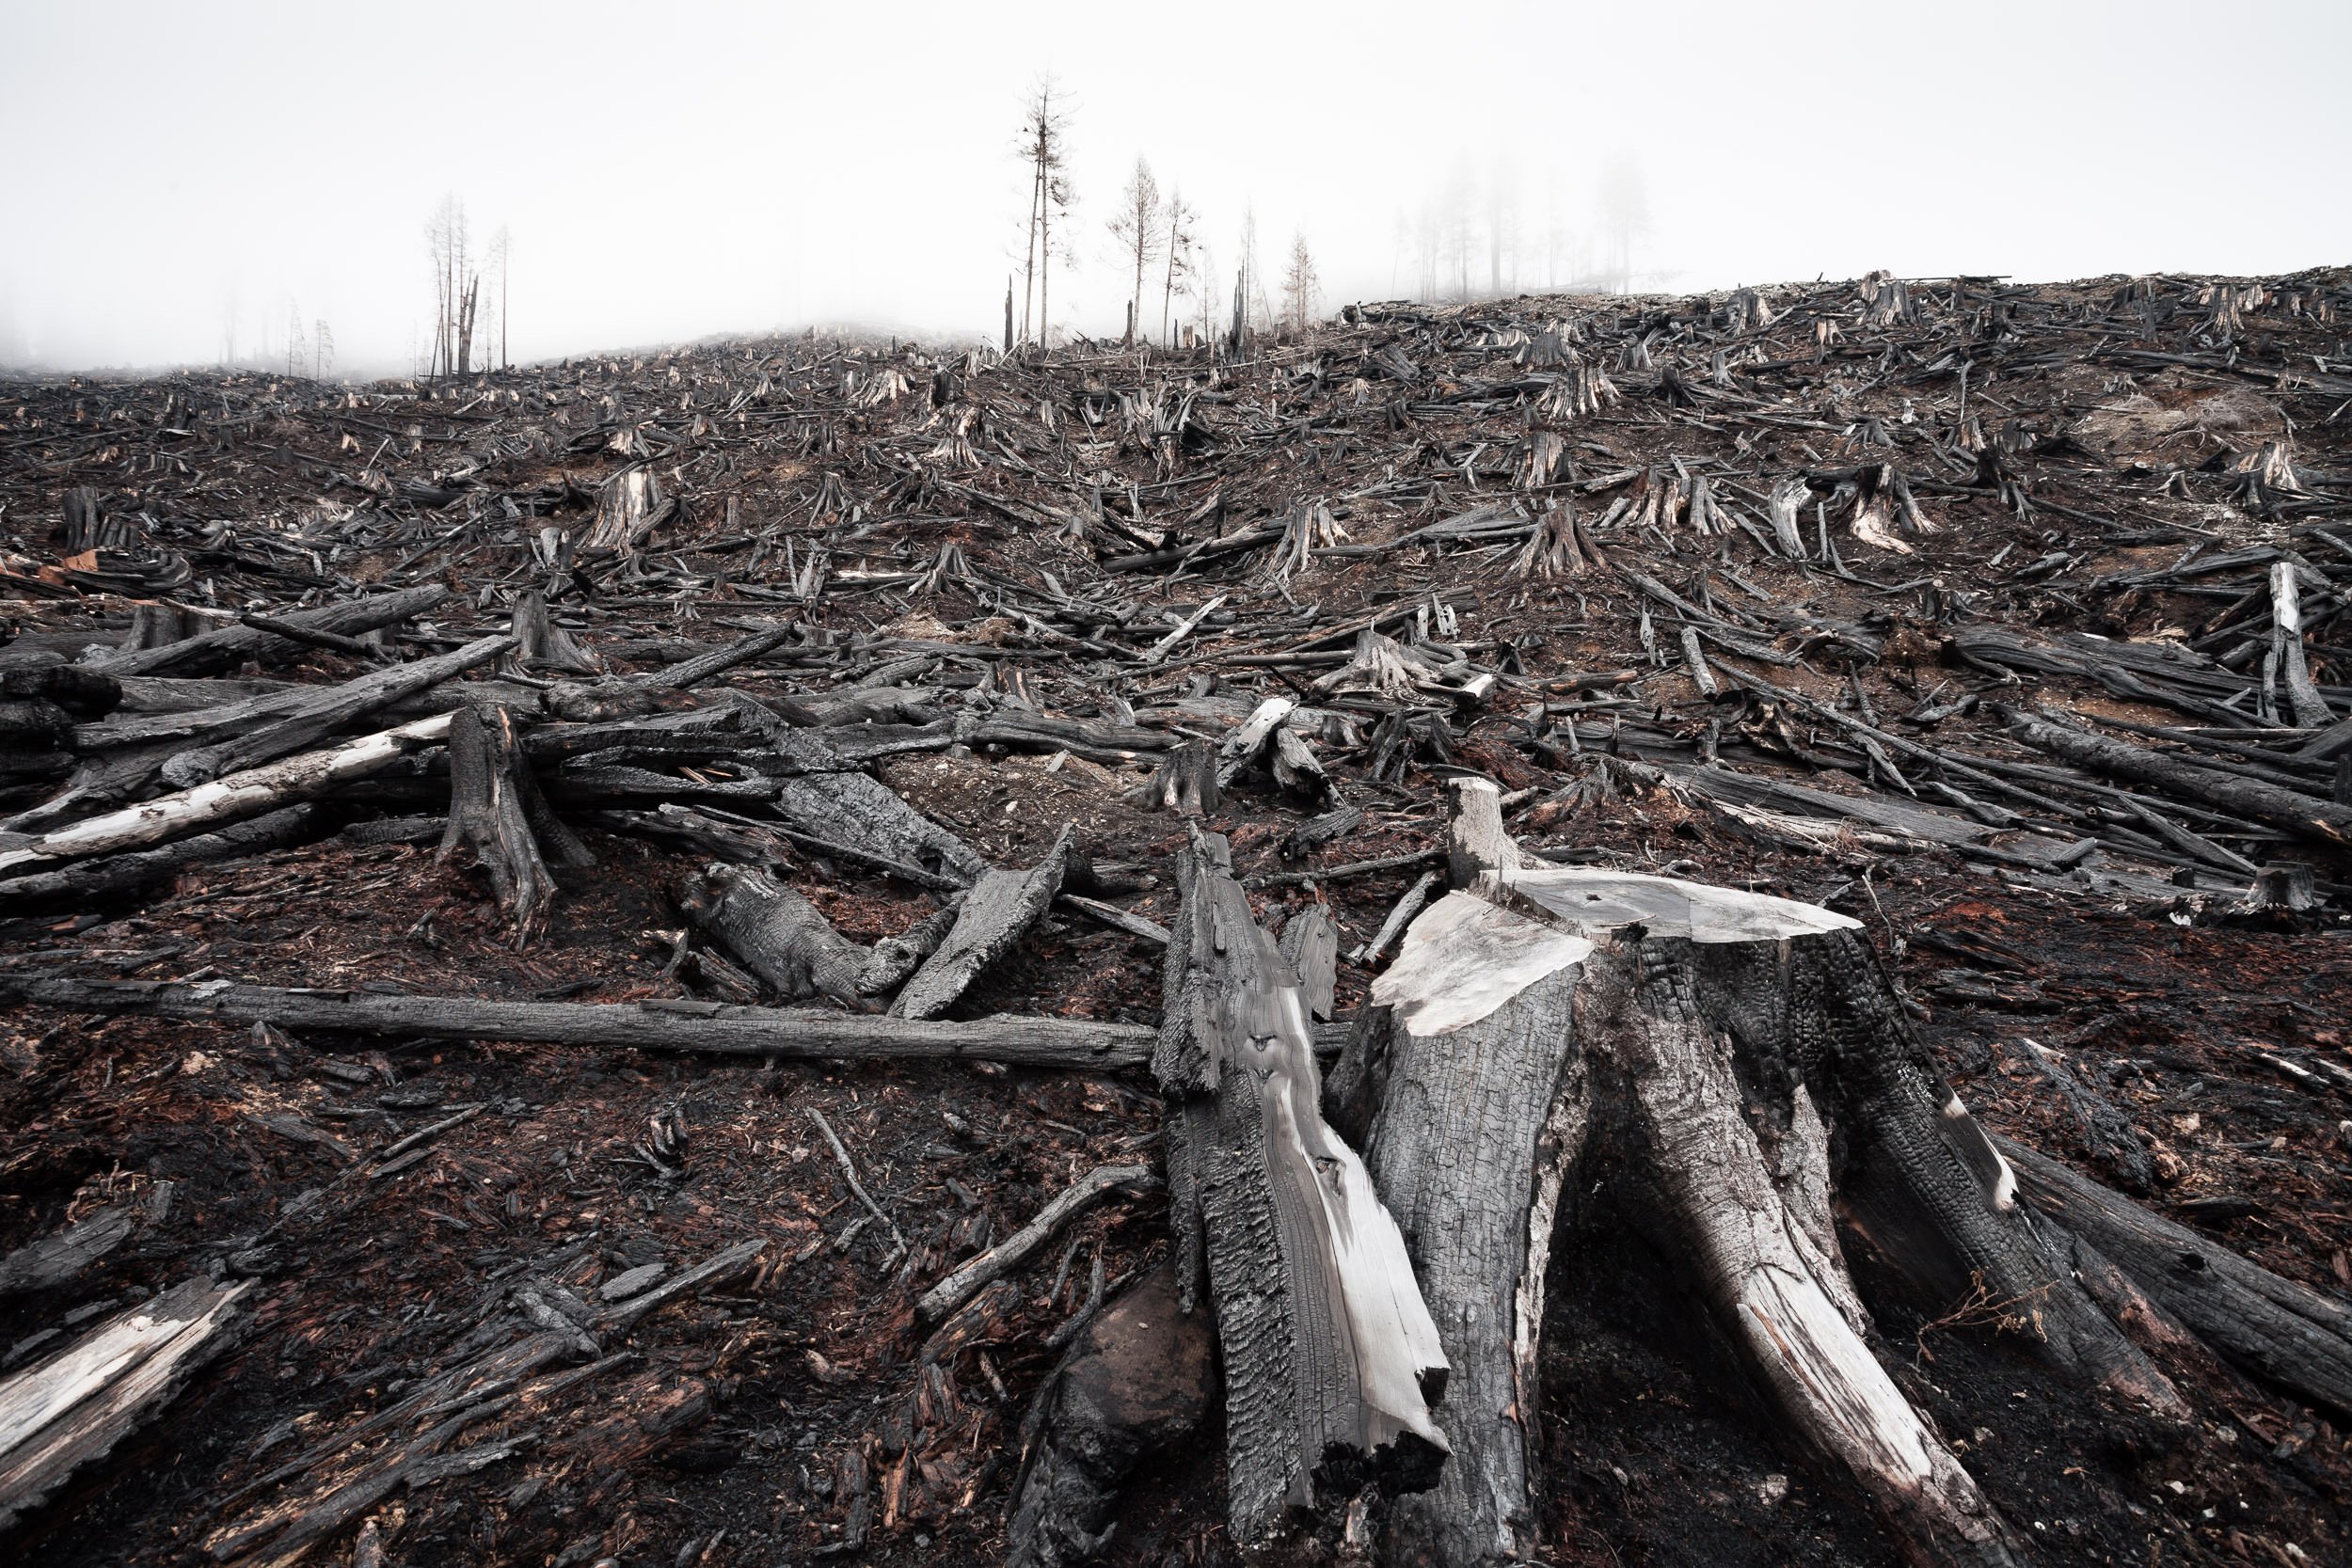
[(1561, 929)]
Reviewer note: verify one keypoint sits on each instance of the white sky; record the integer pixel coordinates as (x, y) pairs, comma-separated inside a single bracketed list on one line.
[(671, 170)]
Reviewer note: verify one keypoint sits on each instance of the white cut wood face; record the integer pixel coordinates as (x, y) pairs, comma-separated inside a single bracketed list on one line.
[(1463, 958), (1597, 901), (1390, 1336)]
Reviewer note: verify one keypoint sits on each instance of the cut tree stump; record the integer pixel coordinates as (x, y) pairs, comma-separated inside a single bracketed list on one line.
[(1745, 1063), (496, 808)]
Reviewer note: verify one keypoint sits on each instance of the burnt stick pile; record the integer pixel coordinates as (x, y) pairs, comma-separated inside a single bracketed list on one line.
[(1558, 929)]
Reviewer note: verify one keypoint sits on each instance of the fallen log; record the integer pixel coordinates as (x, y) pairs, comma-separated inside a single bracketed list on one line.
[(680, 1026), (231, 645), (239, 795), (72, 1408), (323, 711), (115, 876), (776, 934), (2305, 816), (2285, 1333)]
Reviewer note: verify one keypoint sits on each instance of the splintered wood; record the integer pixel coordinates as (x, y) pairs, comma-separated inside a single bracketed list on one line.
[(1330, 1356)]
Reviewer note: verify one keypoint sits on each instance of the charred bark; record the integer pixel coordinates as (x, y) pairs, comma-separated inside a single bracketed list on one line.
[(1331, 1358), (495, 808), (776, 934), (995, 915)]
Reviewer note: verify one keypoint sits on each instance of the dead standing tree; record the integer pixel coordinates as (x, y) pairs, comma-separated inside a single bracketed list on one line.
[(1181, 250), (456, 288), (1043, 135), (1136, 227), (1299, 284)]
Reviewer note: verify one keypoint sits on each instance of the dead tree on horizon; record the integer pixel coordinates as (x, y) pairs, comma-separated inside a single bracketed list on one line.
[(1299, 283), (1183, 264), (502, 248), (1136, 227), (1041, 137), (457, 287)]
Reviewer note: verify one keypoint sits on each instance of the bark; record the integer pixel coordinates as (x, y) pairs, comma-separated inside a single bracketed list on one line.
[(1511, 1087), (1329, 1354), (823, 794), (995, 914)]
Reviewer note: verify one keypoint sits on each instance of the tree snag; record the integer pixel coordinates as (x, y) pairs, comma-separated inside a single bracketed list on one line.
[(1330, 1358), (495, 806)]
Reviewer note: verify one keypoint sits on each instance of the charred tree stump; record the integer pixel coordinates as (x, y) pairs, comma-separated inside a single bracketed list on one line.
[(495, 807), (1186, 782), (1745, 1062), (1330, 1358), (541, 645)]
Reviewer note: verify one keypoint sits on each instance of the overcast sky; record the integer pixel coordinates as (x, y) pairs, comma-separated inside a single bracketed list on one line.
[(670, 171)]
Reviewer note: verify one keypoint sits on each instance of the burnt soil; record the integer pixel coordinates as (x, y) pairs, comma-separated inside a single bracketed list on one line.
[(1654, 1452)]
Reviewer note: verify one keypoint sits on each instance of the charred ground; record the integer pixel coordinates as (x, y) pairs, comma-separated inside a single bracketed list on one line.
[(2017, 500)]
